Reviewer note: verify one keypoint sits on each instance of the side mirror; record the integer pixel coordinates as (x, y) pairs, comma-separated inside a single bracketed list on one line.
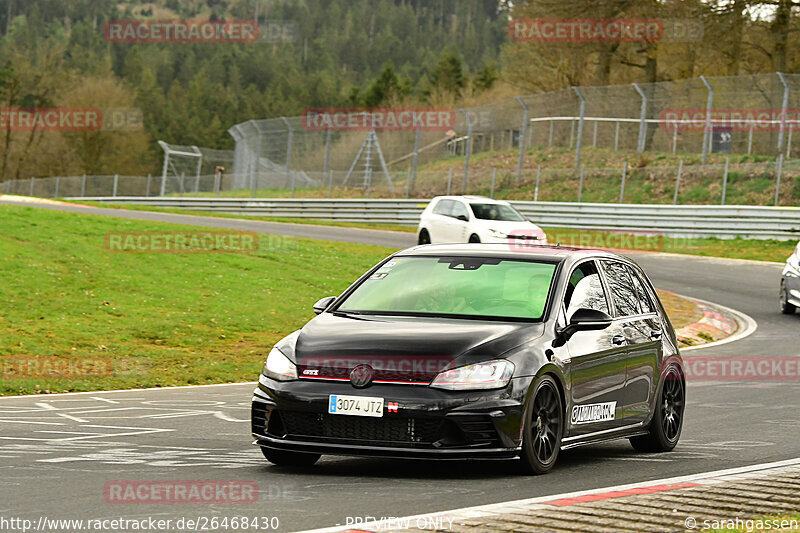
[(584, 320), (463, 218), (323, 304)]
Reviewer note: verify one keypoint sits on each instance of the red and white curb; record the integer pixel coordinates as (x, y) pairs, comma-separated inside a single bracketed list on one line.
[(718, 321), (443, 519)]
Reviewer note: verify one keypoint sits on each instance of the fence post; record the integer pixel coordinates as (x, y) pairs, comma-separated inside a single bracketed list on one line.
[(580, 184), (182, 178), (536, 189), (408, 181), (709, 105), (675, 139), (114, 190), (624, 175), (289, 141), (778, 184), (523, 135), (330, 184), (750, 140), (197, 183), (616, 137), (789, 143), (147, 189), (32, 182), (579, 142), (571, 133), (449, 181), (494, 176), (784, 105), (594, 136), (164, 169), (8, 186), (642, 120), (550, 138), (725, 180), (467, 149), (58, 182), (327, 152), (678, 183), (415, 160), (83, 186)]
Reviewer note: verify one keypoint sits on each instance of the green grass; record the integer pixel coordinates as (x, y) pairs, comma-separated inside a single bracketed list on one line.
[(160, 319)]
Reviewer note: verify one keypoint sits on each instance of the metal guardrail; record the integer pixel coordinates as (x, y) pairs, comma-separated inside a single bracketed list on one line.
[(750, 222)]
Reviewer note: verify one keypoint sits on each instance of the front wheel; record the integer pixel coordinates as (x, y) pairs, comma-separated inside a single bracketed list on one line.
[(286, 458), (786, 307), (665, 428), (543, 427), (474, 239)]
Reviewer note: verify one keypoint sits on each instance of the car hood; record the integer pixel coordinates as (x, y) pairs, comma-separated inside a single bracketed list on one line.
[(410, 349)]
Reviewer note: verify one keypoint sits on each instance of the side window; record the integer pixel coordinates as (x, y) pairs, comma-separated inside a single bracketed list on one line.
[(458, 210), (585, 290), (623, 294), (443, 207), (645, 302)]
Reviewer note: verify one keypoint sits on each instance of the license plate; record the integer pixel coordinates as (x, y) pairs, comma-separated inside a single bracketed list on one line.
[(339, 404)]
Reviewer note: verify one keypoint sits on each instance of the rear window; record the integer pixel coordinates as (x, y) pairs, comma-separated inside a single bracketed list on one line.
[(466, 287)]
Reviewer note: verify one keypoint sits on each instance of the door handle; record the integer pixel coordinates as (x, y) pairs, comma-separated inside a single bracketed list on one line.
[(618, 340)]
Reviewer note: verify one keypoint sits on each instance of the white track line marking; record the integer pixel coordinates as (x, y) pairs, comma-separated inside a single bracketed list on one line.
[(75, 418), (28, 396), (481, 511)]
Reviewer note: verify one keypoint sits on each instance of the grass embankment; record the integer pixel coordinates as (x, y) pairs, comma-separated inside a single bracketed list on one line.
[(161, 318), (650, 179), (157, 319)]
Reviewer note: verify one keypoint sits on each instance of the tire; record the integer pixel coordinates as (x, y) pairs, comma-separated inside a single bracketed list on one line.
[(543, 427), (786, 307), (665, 428), (474, 239), (424, 237), (286, 458)]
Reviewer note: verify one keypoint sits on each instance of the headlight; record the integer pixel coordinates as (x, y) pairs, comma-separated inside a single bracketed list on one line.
[(279, 367), (491, 375), (498, 234)]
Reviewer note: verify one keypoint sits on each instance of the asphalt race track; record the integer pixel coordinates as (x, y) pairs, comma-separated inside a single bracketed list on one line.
[(58, 452)]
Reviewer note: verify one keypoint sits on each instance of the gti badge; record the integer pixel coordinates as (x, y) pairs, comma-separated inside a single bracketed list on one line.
[(361, 376)]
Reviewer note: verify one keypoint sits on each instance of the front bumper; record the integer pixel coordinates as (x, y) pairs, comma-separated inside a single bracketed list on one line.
[(428, 423)]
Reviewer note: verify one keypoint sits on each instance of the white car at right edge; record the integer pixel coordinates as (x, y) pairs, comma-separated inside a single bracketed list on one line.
[(475, 219)]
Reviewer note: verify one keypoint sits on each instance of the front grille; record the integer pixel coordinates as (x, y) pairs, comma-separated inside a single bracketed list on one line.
[(258, 415), (361, 429)]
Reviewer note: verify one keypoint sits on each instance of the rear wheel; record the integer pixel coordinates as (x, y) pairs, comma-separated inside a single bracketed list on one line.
[(665, 429), (786, 307), (424, 237), (544, 424), (474, 239), (286, 458)]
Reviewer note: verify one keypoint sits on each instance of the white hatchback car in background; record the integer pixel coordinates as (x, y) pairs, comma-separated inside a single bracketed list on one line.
[(458, 219)]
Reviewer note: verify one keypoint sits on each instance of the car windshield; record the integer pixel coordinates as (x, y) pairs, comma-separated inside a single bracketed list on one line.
[(462, 287), (496, 212)]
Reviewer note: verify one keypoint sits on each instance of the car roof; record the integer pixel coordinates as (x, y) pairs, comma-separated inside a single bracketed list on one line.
[(472, 198), (510, 251)]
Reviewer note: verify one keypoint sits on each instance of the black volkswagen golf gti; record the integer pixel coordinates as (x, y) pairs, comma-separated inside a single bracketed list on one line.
[(476, 351)]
